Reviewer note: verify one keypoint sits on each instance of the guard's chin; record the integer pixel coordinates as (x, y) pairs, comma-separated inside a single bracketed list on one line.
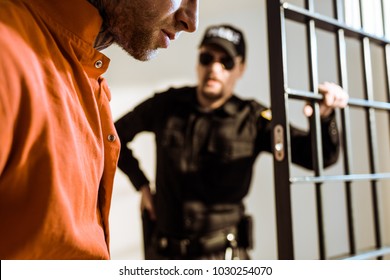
[(212, 96)]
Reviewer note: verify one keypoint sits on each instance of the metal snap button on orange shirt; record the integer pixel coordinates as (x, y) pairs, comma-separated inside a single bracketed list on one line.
[(56, 164)]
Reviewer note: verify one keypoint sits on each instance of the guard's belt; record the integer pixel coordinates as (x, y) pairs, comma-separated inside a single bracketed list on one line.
[(209, 229)]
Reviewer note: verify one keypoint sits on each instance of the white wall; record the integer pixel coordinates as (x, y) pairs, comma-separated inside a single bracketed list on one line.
[(133, 81)]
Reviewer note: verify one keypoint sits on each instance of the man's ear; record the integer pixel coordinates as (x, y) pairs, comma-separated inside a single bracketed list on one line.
[(242, 68)]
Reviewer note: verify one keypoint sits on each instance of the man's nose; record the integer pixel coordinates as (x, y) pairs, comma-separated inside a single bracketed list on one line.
[(217, 66), (188, 15)]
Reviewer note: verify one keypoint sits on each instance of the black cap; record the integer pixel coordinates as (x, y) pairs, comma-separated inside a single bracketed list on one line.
[(226, 37)]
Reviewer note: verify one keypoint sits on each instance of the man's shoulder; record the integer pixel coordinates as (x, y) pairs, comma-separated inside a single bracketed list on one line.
[(249, 102), (179, 94), (258, 108), (178, 90), (18, 21)]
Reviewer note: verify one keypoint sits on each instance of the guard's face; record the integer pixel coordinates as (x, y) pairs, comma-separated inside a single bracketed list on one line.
[(217, 74), (140, 27)]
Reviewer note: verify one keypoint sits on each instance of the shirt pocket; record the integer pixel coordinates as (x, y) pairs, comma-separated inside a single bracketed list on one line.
[(229, 147), (172, 140)]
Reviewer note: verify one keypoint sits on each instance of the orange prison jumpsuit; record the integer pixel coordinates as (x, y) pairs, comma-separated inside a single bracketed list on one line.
[(58, 144)]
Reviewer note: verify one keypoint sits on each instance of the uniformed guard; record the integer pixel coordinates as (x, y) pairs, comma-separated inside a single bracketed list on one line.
[(207, 140)]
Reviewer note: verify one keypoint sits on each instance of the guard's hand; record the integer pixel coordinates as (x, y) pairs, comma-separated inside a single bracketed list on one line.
[(147, 202), (334, 97)]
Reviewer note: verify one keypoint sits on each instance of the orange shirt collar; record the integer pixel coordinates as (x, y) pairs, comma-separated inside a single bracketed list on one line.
[(78, 16)]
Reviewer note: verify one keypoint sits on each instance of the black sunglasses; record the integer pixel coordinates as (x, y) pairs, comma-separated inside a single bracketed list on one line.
[(206, 59)]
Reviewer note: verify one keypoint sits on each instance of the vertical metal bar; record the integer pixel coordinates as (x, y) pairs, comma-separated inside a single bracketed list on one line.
[(346, 124), (361, 14), (387, 55), (277, 49), (383, 14), (387, 62), (315, 128), (371, 123), (386, 49)]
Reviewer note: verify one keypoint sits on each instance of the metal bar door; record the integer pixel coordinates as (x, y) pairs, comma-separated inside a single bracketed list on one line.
[(281, 92)]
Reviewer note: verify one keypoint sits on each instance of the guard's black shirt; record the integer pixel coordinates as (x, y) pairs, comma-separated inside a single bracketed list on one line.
[(206, 156)]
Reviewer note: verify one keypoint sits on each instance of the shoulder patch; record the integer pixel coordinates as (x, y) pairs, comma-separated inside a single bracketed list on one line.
[(266, 114)]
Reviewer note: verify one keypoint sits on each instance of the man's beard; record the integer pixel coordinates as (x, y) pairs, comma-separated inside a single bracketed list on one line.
[(138, 46), (211, 96)]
